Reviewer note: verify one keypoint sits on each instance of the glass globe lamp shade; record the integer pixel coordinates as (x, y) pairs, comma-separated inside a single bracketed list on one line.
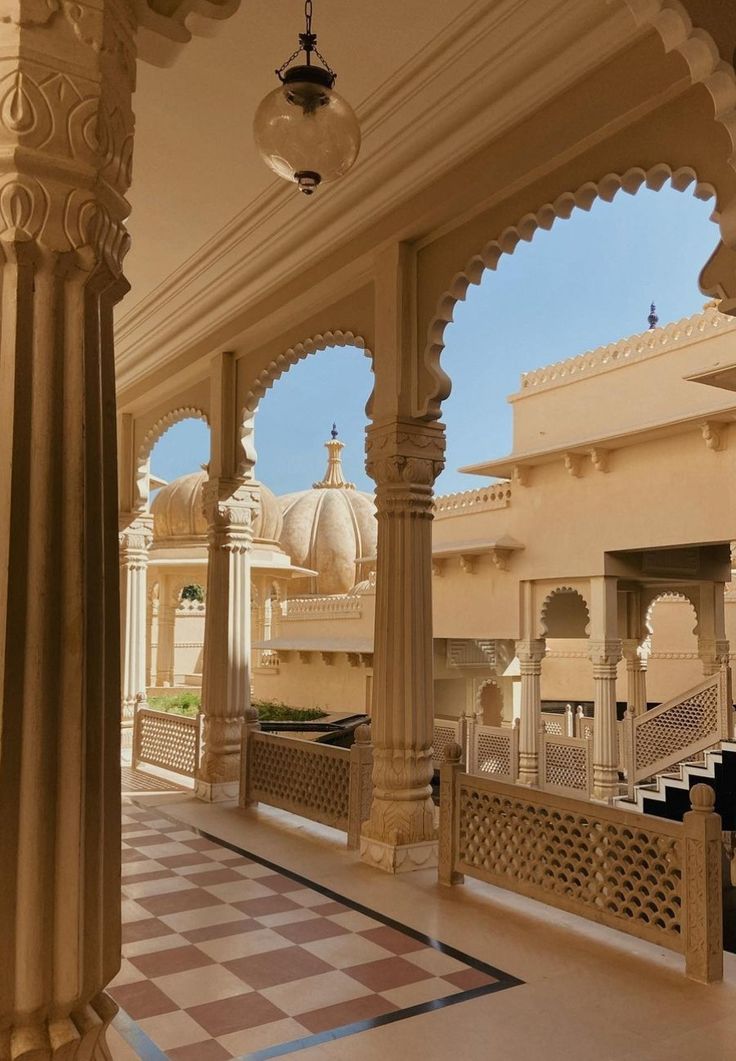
[(305, 131)]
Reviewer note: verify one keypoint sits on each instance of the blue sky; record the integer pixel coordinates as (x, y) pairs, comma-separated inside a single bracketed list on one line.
[(586, 282)]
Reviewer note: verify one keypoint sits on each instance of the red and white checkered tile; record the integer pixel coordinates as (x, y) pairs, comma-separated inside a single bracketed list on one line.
[(223, 956)]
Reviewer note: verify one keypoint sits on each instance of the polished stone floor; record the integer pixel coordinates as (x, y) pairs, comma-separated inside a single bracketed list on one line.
[(586, 993)]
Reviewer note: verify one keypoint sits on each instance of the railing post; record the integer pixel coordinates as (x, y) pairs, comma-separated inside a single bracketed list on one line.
[(569, 722), (702, 888), (449, 771), (135, 750), (361, 784), (471, 746), (630, 751), (251, 725), (542, 741), (579, 716), (514, 752), (725, 703)]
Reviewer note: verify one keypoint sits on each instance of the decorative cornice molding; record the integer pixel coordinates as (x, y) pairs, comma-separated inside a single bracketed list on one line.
[(495, 495)]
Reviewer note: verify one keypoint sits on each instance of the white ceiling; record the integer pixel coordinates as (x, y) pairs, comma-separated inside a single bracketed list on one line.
[(195, 164)]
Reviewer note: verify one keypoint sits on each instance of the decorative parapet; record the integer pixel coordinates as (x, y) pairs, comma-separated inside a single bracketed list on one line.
[(495, 495), (342, 606), (625, 351)]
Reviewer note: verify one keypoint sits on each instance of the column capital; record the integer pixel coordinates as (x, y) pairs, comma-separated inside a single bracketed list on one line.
[(531, 651), (136, 534), (230, 507), (605, 653), (635, 652), (404, 457), (68, 116)]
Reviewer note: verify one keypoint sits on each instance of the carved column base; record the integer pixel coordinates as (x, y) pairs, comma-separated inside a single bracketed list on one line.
[(605, 783), (399, 858), (78, 1037), (216, 792), (528, 768)]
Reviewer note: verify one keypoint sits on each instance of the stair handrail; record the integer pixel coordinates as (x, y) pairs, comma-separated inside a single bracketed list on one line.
[(722, 730)]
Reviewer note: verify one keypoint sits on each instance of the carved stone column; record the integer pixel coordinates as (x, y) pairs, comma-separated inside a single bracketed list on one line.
[(605, 656), (230, 507), (713, 646), (530, 655), (636, 655), (136, 536), (404, 457), (66, 130)]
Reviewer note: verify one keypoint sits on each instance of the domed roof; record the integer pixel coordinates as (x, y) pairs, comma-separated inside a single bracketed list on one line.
[(178, 514), (330, 527)]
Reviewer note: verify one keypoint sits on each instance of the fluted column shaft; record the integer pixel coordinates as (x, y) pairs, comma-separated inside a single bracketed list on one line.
[(404, 457), (136, 537), (530, 655), (66, 130), (230, 506), (605, 656)]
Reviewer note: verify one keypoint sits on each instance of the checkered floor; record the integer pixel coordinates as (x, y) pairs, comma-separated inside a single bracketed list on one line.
[(224, 956)]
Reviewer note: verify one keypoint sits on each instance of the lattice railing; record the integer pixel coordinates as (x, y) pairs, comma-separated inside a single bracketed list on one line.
[(566, 765), (494, 750), (560, 724), (675, 731), (321, 782), (447, 731), (166, 740), (655, 879)]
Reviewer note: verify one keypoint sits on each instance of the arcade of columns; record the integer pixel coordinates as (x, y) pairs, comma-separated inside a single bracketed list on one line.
[(66, 126)]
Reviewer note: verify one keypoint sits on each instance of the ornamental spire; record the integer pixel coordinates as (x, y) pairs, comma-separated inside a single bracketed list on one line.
[(334, 479), (653, 318)]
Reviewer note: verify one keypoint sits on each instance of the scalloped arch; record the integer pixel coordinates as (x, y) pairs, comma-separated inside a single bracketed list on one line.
[(665, 595), (281, 364), (523, 231), (151, 437), (556, 592)]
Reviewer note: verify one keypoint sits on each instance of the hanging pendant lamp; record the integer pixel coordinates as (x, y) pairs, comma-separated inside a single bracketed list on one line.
[(304, 130)]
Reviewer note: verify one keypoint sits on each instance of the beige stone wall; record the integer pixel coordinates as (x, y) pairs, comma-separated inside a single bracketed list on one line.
[(333, 687)]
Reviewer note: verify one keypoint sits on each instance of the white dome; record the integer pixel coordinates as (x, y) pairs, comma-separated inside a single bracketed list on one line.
[(178, 514), (330, 527)]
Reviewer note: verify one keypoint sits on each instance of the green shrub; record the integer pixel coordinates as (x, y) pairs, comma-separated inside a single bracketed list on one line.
[(186, 702), (181, 703)]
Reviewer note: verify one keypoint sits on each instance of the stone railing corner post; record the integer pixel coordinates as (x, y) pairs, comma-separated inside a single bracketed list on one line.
[(136, 538), (361, 784), (251, 725), (725, 701), (702, 888), (449, 770)]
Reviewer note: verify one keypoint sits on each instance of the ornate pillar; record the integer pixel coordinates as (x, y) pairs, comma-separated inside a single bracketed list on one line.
[(66, 129), (136, 536), (636, 655), (404, 457), (605, 656), (167, 605), (530, 654), (230, 506)]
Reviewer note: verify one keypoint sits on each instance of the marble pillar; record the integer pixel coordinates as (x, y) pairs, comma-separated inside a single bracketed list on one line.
[(530, 654), (404, 457), (136, 536), (605, 656), (230, 506), (66, 128)]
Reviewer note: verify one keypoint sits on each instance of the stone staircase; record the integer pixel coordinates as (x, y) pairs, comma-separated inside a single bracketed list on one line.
[(667, 795)]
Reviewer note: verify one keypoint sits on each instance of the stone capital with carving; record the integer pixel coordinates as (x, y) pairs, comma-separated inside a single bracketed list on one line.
[(230, 507), (404, 458), (605, 655), (136, 537), (530, 654)]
